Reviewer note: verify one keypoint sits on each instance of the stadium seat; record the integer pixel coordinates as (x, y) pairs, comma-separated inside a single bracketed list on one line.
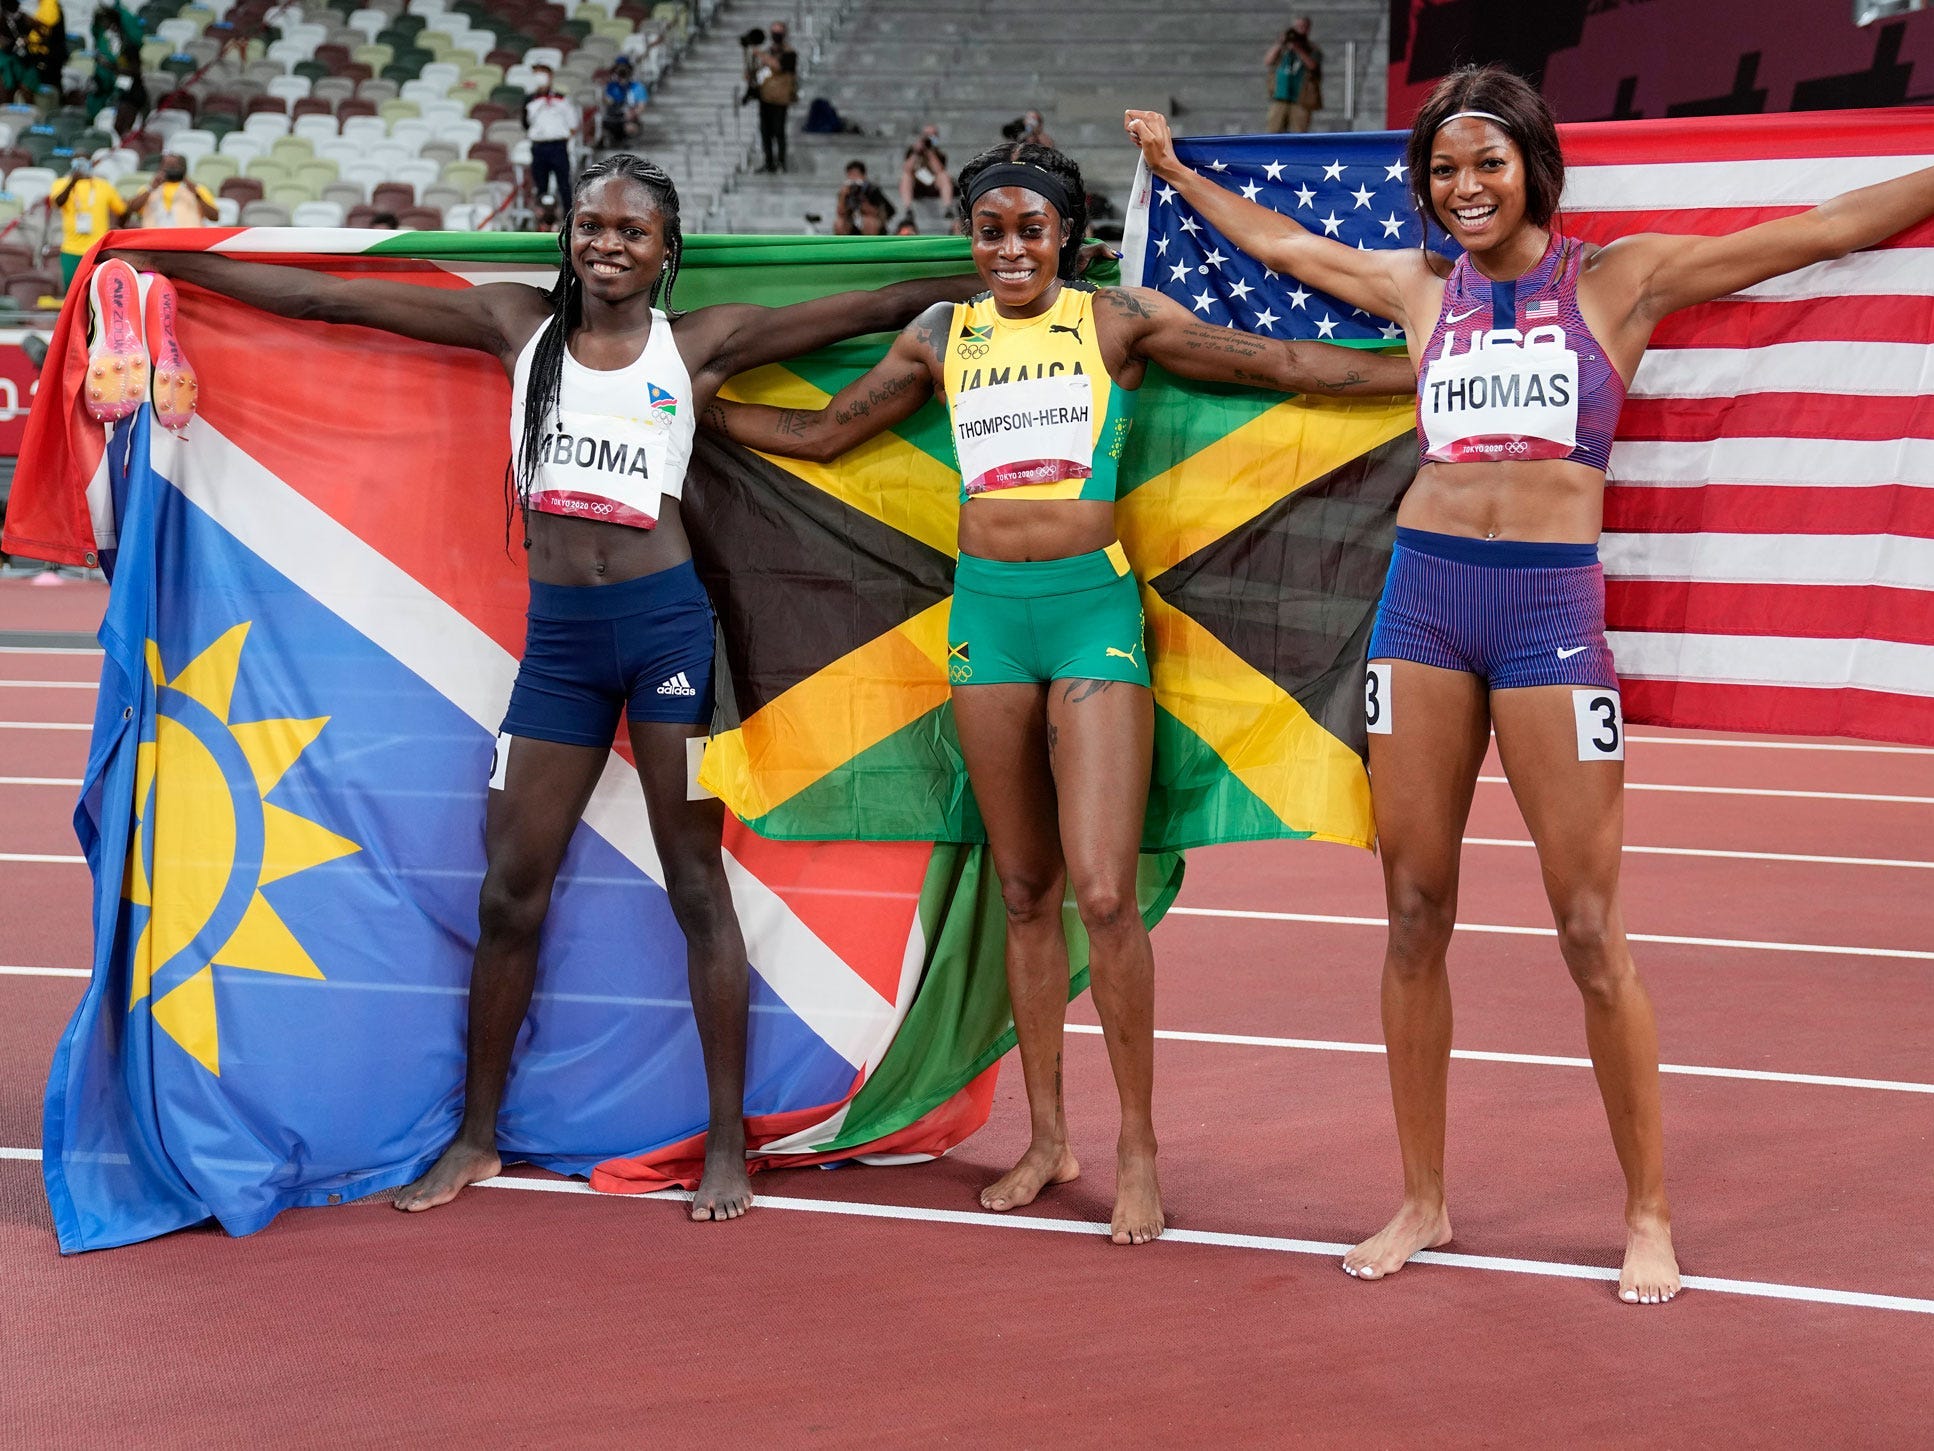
[(227, 212), (212, 171), (292, 151), (266, 124), (418, 172), (31, 183), (441, 152), (421, 219), (465, 133), (265, 214), (360, 216), (340, 149), (355, 106), (365, 174), (317, 214), (315, 128), (312, 107), (397, 109), (289, 194), (411, 131), (365, 130), (317, 176), (289, 88), (377, 90), (192, 144), (242, 189), (336, 89), (345, 194), (392, 196), (505, 133), (265, 105), (28, 290), (440, 196), (268, 171), (243, 147)]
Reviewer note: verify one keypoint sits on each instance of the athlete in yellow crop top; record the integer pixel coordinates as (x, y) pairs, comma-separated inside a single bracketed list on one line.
[(1050, 681)]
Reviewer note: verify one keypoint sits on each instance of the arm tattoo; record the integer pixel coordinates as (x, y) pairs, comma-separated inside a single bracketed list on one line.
[(794, 422), (715, 418), (876, 397), (932, 327), (1124, 301), (1351, 379)]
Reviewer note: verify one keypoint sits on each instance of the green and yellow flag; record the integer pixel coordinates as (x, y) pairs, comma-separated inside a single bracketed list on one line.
[(1259, 527)]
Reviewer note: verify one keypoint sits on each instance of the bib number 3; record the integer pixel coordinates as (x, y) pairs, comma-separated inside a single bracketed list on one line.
[(1601, 725), (1376, 700)]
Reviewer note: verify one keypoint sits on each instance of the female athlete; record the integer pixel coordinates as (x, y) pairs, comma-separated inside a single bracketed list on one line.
[(617, 613), (1493, 616), (1050, 682)]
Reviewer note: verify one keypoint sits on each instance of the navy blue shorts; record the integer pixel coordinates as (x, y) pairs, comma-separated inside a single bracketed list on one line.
[(642, 648), (1511, 613)]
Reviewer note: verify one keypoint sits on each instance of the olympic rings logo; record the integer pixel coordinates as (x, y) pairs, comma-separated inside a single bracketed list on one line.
[(971, 351)]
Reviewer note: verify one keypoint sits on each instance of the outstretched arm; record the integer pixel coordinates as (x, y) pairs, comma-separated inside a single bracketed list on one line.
[(889, 393), (1370, 280), (1162, 331), (495, 318), (736, 337), (1670, 272)]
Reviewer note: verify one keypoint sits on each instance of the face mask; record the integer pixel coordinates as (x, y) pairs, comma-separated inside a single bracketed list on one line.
[(175, 173)]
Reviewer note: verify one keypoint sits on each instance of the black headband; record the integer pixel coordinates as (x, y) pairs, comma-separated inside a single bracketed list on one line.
[(1019, 173)]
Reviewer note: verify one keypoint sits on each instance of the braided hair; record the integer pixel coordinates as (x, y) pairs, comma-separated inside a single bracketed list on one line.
[(567, 311), (1057, 165)]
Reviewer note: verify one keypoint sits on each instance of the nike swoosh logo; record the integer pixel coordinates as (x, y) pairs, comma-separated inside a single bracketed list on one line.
[(1567, 654), (1459, 316)]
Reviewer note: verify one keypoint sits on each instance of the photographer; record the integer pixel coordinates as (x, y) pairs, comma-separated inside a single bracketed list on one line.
[(777, 79), (171, 200), (924, 175), (1297, 69), (88, 207), (861, 208)]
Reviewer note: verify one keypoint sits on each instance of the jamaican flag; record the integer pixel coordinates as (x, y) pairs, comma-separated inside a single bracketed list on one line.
[(1259, 528)]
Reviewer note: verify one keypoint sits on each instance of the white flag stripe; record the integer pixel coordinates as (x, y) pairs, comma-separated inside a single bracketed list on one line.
[(1855, 463), (1879, 559), (1787, 181), (1869, 369), (1894, 272), (1880, 665)]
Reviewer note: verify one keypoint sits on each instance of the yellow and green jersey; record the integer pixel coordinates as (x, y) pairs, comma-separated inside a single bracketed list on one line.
[(1034, 413)]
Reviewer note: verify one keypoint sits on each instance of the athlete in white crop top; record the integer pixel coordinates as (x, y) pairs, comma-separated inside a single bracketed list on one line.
[(607, 388)]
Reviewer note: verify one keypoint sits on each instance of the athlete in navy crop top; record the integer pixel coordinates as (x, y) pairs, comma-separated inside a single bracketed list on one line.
[(1493, 616), (620, 626)]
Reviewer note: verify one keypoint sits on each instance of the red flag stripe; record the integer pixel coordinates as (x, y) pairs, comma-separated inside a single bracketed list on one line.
[(1748, 508), (1814, 612), (1776, 710), (1746, 324), (1800, 416), (1605, 226), (1896, 131)]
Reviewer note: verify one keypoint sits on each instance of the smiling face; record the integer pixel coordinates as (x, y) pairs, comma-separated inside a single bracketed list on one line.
[(618, 241), (1477, 183), (1017, 238)]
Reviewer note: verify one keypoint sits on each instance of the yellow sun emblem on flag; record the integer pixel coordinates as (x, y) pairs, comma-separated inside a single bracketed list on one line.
[(208, 841)]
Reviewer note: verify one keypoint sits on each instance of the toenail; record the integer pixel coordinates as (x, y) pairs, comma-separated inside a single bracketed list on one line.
[(1630, 1297)]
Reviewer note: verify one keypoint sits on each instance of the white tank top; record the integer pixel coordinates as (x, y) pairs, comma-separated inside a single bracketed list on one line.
[(619, 441)]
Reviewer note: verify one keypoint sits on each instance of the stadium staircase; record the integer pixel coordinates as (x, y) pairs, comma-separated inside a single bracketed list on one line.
[(971, 66)]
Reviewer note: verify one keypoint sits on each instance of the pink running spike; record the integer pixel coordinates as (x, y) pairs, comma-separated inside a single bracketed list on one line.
[(117, 360), (175, 384)]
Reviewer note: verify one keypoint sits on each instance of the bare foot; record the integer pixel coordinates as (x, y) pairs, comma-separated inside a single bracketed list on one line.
[(1043, 1164), (1414, 1227), (456, 1169), (1650, 1275), (1138, 1198), (724, 1191)]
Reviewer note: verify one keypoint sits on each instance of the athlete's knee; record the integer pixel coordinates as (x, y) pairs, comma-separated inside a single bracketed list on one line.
[(1422, 914), (701, 902), (1031, 897), (1594, 946), (1105, 905), (512, 905)]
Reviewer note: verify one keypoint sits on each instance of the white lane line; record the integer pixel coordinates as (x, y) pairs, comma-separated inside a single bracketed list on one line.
[(40, 781), (51, 650), (43, 857), (1541, 1060), (1685, 851), (50, 685), (1326, 920), (1700, 851), (1324, 1045), (1860, 747), (46, 725), (1754, 791), (1555, 1269), (30, 1154)]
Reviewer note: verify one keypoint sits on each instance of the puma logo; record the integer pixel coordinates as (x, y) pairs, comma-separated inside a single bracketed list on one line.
[(1112, 653), (1055, 327)]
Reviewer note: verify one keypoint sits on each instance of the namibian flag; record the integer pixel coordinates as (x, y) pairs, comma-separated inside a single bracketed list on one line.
[(309, 644)]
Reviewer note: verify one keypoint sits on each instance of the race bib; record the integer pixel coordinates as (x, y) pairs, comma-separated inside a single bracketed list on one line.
[(596, 466), (1509, 396), (1034, 432)]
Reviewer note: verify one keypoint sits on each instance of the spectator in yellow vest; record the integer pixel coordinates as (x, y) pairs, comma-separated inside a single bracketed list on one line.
[(172, 200), (88, 207)]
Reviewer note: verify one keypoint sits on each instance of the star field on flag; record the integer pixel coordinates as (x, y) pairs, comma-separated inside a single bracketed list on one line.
[(1352, 186)]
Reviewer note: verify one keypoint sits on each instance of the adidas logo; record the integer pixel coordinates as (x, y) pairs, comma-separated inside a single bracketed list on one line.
[(677, 685)]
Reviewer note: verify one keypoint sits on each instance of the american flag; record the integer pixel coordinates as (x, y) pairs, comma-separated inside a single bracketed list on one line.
[(1769, 535)]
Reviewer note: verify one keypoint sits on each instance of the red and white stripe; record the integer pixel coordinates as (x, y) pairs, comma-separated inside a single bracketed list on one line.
[(1769, 532)]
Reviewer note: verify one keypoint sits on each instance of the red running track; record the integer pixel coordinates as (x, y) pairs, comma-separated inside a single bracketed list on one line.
[(538, 1318)]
